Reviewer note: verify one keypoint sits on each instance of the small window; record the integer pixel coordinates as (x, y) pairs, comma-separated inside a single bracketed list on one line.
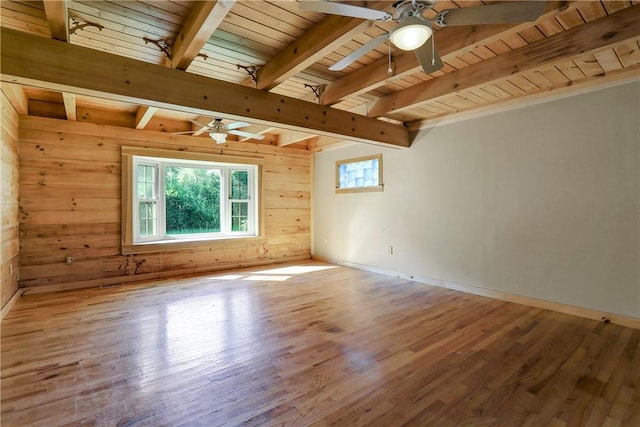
[(360, 174)]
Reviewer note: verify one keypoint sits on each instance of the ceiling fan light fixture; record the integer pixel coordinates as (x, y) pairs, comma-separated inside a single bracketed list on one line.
[(411, 34), (218, 137)]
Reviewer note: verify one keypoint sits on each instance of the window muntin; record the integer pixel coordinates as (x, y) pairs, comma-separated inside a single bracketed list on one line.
[(239, 200), (182, 200), (146, 178), (359, 174)]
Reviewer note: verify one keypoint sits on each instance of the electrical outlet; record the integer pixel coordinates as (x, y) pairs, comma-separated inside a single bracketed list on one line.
[(69, 260)]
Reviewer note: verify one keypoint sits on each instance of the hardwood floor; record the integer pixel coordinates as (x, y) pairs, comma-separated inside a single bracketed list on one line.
[(309, 343)]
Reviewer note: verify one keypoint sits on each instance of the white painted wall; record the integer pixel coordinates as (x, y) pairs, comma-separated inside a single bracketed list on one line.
[(542, 201)]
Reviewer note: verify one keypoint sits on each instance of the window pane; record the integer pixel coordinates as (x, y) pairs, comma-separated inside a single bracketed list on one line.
[(147, 218), (192, 200), (146, 181), (239, 185), (142, 210), (239, 216), (359, 174), (150, 175)]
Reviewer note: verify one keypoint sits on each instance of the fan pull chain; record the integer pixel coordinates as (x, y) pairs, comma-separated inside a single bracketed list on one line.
[(390, 70), (433, 52)]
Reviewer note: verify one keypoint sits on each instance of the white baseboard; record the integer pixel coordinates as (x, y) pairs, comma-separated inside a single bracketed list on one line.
[(619, 319)]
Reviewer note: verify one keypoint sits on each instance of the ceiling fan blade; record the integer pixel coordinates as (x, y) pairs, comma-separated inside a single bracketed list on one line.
[(428, 57), (246, 134), (345, 10), (236, 125), (500, 13), (183, 133), (359, 53), (202, 125)]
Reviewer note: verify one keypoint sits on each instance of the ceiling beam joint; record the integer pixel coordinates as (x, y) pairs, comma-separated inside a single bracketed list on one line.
[(323, 38), (57, 18), (204, 19)]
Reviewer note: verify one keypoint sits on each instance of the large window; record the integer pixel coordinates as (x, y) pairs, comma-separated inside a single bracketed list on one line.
[(171, 199), (360, 174)]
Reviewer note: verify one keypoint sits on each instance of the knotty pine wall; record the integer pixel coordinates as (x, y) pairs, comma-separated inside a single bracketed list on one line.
[(70, 205), (8, 201)]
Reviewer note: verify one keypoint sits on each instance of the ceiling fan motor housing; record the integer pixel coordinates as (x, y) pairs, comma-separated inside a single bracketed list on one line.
[(406, 8)]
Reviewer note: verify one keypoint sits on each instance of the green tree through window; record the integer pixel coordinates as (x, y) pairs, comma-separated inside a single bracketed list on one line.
[(192, 200)]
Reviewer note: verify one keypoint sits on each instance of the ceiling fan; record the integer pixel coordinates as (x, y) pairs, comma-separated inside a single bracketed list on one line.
[(414, 30), (218, 131)]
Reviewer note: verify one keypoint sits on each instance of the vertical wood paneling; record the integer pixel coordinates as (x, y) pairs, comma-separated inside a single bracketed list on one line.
[(70, 205), (8, 201)]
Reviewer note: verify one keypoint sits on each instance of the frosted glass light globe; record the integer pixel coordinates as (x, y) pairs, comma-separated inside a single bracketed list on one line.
[(411, 34)]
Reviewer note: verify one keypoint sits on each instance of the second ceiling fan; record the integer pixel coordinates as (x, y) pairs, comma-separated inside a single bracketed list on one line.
[(218, 131), (414, 32)]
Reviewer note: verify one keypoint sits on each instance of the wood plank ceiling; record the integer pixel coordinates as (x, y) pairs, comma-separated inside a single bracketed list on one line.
[(574, 45)]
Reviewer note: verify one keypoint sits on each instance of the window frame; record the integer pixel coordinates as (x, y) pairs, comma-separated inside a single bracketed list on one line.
[(180, 158), (373, 188)]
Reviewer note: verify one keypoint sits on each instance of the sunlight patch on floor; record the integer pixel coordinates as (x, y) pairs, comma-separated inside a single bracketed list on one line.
[(276, 274), (268, 278), (297, 269)]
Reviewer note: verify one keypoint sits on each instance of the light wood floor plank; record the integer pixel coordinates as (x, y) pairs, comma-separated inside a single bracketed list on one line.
[(309, 344)]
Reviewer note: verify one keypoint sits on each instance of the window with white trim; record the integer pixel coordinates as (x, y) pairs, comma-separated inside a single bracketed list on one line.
[(185, 200)]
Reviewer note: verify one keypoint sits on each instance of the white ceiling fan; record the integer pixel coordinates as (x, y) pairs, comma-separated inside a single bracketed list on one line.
[(218, 131), (414, 30)]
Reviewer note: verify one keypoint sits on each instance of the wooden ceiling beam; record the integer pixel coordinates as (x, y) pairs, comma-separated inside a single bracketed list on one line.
[(17, 98), (449, 41), (32, 60), (144, 115), (543, 94), (323, 38), (69, 100), (203, 20), (566, 45), (292, 137), (323, 143), (58, 19)]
